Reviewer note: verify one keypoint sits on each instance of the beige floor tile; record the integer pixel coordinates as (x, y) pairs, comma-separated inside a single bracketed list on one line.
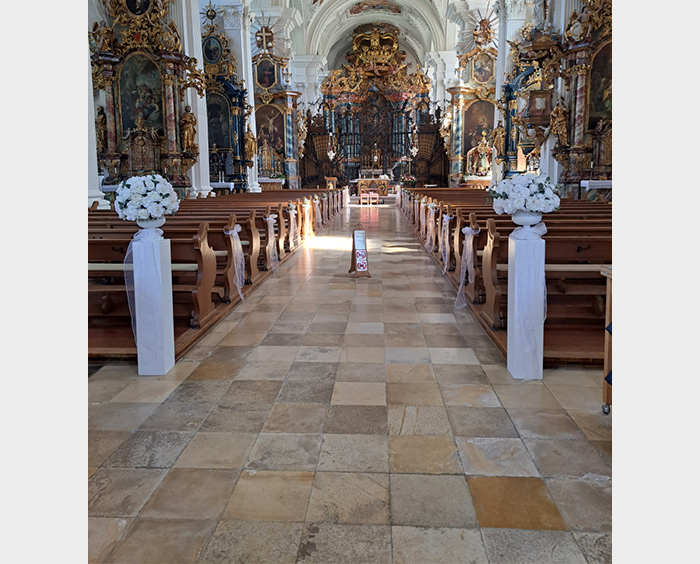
[(415, 420), (362, 354), (414, 393), (285, 451), (508, 545), (359, 393), (533, 394), (121, 492), (103, 534), (423, 455), (348, 497), (474, 395), (354, 453), (409, 373), (342, 543), (494, 456), (216, 450), (420, 545), (270, 496), (296, 418)]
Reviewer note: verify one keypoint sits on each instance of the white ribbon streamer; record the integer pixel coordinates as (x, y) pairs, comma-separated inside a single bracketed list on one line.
[(307, 220), (444, 244), (529, 319), (430, 235), (466, 266), (421, 218), (271, 242), (293, 226), (143, 265), (317, 213), (238, 259)]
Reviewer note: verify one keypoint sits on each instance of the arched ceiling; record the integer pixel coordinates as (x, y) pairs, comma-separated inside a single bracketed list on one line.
[(328, 27)]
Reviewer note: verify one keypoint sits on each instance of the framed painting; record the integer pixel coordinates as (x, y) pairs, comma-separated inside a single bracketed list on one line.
[(539, 103), (478, 117), (137, 7), (482, 68), (600, 98), (219, 118), (266, 73), (212, 50), (270, 124), (140, 94)]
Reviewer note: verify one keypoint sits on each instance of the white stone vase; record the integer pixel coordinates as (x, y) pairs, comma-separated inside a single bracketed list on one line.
[(150, 223), (526, 218)]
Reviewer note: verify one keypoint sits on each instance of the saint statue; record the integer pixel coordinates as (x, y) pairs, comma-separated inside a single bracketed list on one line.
[(250, 147), (101, 129), (557, 123), (498, 137), (479, 158), (187, 130)]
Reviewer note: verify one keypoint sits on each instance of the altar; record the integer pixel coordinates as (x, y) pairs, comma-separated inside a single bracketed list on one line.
[(379, 185)]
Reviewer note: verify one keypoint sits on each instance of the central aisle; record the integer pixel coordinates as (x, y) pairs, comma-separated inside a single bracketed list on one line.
[(337, 420)]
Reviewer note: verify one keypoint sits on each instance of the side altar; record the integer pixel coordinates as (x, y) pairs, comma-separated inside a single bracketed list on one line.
[(379, 185)]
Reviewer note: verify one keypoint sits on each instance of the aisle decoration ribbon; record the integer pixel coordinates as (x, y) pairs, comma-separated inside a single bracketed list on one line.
[(467, 265), (444, 244), (271, 242), (238, 259)]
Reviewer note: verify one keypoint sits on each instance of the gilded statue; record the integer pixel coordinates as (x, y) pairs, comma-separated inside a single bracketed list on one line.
[(557, 123), (187, 130), (101, 129), (498, 137), (250, 147)]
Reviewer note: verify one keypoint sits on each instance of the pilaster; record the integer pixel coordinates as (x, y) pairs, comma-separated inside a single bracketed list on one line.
[(94, 192)]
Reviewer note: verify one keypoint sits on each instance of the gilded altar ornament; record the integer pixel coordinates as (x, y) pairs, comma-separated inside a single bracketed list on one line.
[(557, 122), (250, 147), (498, 137), (187, 131), (479, 158), (101, 129)]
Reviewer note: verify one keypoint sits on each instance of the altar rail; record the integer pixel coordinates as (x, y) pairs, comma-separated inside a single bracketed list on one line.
[(203, 269), (578, 245)]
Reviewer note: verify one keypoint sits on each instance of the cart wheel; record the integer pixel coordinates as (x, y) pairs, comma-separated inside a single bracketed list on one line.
[(606, 408)]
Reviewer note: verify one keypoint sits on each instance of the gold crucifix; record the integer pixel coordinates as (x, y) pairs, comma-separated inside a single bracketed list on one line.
[(262, 36)]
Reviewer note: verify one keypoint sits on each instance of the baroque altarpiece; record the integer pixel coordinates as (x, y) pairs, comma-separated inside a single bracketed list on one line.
[(375, 117), (140, 75), (579, 119), (227, 108), (275, 116)]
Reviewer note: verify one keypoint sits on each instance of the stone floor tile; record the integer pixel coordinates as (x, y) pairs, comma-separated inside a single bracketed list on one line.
[(269, 495), (305, 392), (199, 392), (285, 451), (585, 505), (264, 370), (596, 547), (241, 418), (101, 444), (414, 393), (296, 418), (341, 543), (416, 420), (567, 458), (359, 393), (103, 534), (252, 542), (354, 453), (149, 449), (163, 541), (544, 424), (191, 493), (372, 355), (509, 546), (507, 502), (120, 416), (409, 373), (360, 372), (533, 394), (318, 354), (121, 492), (481, 422), (356, 419), (349, 497), (208, 370), (216, 450), (407, 355), (364, 341), (312, 371), (469, 395), (146, 391), (423, 455), (247, 392), (488, 456), (437, 545), (282, 340), (423, 500)]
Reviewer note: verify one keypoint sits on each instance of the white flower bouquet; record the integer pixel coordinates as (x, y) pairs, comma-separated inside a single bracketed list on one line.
[(528, 192), (145, 197)]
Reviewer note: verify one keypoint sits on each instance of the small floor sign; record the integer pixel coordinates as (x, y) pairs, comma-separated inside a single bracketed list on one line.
[(359, 263)]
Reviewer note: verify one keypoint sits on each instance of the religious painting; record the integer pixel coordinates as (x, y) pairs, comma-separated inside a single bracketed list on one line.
[(482, 68), (478, 117), (600, 100), (137, 7), (265, 73), (270, 125), (141, 99), (212, 50), (219, 118)]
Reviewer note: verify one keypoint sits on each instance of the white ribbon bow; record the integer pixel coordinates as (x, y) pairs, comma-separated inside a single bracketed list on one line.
[(444, 248), (467, 265), (238, 259), (271, 242), (293, 225)]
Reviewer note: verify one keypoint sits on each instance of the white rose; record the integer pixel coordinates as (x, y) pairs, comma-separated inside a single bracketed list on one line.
[(498, 206)]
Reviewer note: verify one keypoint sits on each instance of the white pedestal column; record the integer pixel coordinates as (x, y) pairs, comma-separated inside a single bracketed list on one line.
[(153, 305), (526, 303)]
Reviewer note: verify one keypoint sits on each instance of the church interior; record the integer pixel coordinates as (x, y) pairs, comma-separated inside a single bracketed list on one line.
[(315, 414)]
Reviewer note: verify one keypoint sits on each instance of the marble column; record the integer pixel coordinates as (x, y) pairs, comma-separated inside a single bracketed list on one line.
[(94, 192), (185, 14), (238, 17)]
